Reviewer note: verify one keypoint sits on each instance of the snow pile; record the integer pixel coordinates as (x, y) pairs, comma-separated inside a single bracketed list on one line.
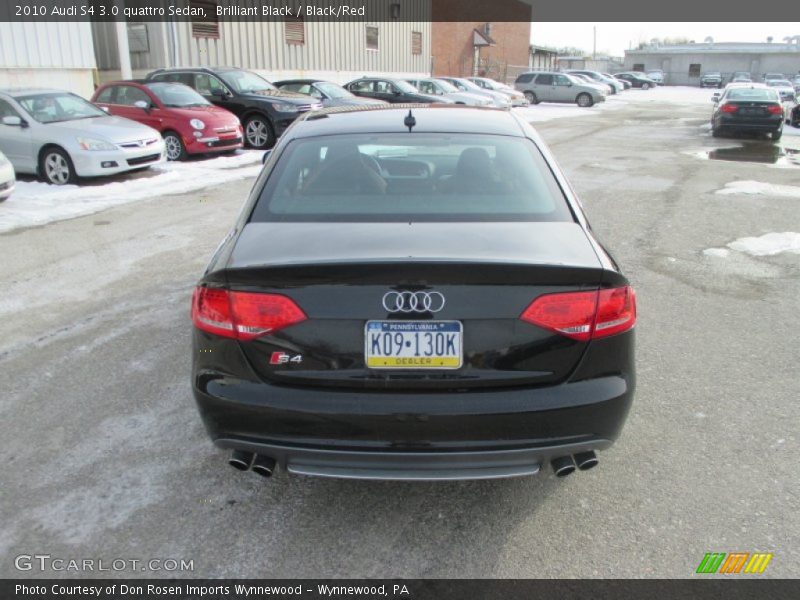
[(760, 187), (768, 244), (36, 203), (718, 252)]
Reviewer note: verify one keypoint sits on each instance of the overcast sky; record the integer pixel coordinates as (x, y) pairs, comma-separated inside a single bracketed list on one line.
[(615, 38)]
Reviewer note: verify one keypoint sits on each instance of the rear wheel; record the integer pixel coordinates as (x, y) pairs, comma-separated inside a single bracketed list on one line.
[(258, 133), (584, 100), (645, 86), (776, 135), (55, 167), (531, 98), (174, 145)]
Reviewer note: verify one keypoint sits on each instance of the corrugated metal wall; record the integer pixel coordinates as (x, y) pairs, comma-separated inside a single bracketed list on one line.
[(329, 45), (45, 44)]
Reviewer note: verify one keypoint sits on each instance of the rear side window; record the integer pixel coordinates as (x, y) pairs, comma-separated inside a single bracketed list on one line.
[(544, 79), (524, 78), (419, 177), (107, 95)]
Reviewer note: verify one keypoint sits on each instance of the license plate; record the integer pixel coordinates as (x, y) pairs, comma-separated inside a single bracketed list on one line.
[(413, 344)]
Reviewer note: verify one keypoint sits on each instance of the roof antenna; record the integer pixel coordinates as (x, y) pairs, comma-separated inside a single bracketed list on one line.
[(409, 121)]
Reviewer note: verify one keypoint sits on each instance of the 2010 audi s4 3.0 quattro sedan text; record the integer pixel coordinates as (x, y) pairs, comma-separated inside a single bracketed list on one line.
[(412, 293)]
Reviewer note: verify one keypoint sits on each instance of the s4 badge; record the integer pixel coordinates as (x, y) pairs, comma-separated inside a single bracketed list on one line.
[(281, 358)]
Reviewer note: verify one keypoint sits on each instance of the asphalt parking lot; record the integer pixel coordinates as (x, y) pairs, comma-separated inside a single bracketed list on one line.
[(104, 455)]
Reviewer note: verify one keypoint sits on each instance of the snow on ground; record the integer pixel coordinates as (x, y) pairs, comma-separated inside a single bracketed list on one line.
[(768, 244), (36, 203), (547, 111), (760, 187)]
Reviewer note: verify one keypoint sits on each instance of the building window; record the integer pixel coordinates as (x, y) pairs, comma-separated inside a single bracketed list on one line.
[(694, 70), (294, 31), (372, 38), (208, 26), (638, 66), (416, 42)]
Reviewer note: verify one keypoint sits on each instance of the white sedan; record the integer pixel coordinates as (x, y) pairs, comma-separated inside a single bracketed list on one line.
[(7, 178), (60, 137)]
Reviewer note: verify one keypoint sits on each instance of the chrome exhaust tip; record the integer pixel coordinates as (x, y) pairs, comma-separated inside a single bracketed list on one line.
[(240, 460), (263, 465), (563, 465), (586, 460)]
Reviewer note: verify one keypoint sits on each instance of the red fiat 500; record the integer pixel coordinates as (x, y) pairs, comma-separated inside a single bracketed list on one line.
[(189, 123)]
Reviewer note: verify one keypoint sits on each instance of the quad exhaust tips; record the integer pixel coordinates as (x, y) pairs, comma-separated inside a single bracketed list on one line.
[(258, 463), (564, 465)]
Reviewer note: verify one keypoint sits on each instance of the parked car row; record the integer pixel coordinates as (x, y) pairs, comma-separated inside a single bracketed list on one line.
[(582, 87)]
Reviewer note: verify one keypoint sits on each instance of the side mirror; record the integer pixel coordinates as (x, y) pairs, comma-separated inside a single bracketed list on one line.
[(12, 121), (219, 93), (145, 106), (266, 156), (715, 97), (397, 92)]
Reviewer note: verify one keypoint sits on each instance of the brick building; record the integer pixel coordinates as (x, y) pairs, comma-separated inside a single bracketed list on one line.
[(494, 49)]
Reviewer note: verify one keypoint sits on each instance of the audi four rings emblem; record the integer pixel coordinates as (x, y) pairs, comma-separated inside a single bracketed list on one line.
[(410, 302)]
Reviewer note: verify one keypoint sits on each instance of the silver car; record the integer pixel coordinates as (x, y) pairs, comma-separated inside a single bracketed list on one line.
[(551, 86), (465, 85), (614, 86), (439, 87), (59, 136), (517, 99), (7, 178)]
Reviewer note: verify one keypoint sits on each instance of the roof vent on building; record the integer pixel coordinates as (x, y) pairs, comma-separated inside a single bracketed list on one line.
[(709, 40), (769, 39)]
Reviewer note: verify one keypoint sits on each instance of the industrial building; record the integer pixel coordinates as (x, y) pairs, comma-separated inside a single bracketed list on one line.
[(684, 64), (47, 54), (283, 48)]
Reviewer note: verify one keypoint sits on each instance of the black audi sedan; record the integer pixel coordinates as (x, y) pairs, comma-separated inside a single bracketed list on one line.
[(413, 293), (328, 93), (394, 91), (264, 110), (751, 107)]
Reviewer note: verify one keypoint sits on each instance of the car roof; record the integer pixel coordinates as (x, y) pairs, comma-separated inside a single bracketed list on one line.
[(436, 118), (282, 81), (25, 91)]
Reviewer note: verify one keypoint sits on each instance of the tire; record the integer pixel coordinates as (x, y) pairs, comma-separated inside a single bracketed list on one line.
[(716, 132), (645, 86), (531, 98), (776, 135), (258, 133), (584, 100), (56, 168), (176, 150)]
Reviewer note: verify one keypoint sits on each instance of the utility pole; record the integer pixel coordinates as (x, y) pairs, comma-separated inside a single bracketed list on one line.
[(594, 43)]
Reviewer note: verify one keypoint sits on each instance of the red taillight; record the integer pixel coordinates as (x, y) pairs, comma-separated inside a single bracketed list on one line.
[(729, 108), (775, 109), (242, 315), (584, 315)]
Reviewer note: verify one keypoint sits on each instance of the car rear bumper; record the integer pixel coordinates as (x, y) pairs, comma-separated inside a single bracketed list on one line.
[(417, 435), (771, 123)]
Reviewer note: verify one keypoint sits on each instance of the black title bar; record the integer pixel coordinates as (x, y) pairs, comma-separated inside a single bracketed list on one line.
[(732, 588), (397, 10)]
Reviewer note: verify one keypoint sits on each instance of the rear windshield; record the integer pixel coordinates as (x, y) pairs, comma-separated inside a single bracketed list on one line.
[(755, 94), (411, 177)]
